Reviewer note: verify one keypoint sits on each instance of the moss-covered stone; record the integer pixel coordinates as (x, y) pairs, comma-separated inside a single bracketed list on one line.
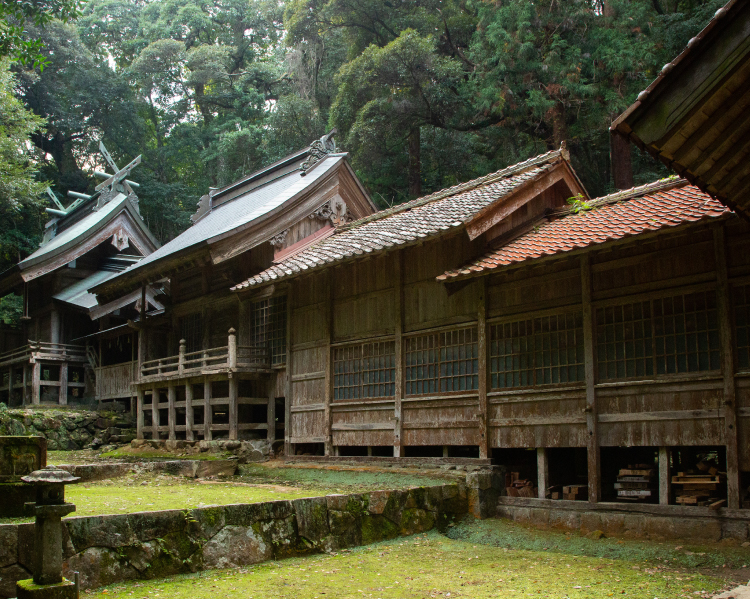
[(27, 589)]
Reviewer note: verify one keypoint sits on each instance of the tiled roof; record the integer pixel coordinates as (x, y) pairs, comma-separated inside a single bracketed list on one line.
[(666, 203), (410, 222)]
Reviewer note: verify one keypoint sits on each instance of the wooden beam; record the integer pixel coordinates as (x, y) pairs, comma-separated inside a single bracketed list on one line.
[(139, 420), (271, 411), (542, 472), (329, 362), (398, 413), (233, 393), (483, 415), (664, 486), (171, 411), (594, 466), (36, 376), (63, 383), (207, 415), (728, 368), (189, 412), (155, 413)]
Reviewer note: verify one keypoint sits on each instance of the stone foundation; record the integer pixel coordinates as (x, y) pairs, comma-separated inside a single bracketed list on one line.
[(255, 450), (656, 522), (107, 549)]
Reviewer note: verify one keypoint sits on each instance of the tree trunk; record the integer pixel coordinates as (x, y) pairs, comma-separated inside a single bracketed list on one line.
[(622, 167), (415, 165), (559, 128)]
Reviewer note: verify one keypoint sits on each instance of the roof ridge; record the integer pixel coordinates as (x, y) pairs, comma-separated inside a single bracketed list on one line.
[(456, 189), (623, 195)]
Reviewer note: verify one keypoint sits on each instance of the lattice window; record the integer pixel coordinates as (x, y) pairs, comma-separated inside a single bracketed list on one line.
[(364, 370), (623, 341), (191, 330), (268, 327), (686, 333), (742, 325), (540, 351), (668, 335), (442, 362)]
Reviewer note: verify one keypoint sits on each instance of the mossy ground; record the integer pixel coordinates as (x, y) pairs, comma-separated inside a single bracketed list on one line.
[(434, 565)]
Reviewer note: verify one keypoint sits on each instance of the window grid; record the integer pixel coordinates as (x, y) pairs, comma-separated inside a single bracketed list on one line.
[(191, 330), (742, 325), (366, 370), (541, 351), (669, 335), (442, 362), (269, 327)]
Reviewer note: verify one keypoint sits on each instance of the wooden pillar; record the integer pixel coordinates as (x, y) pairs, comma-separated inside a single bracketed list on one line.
[(171, 411), (271, 412), (189, 415), (232, 349), (208, 419), (594, 464), (483, 416), (398, 394), (54, 327), (24, 393), (63, 384), (728, 368), (329, 363), (139, 420), (36, 377), (622, 167), (542, 472), (288, 385), (181, 357), (155, 413), (10, 385), (664, 494), (233, 393)]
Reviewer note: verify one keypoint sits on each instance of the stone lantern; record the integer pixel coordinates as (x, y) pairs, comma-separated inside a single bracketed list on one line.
[(49, 508)]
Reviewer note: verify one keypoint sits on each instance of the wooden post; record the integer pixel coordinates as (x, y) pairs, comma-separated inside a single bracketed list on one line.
[(36, 377), (208, 418), (483, 416), (728, 369), (171, 411), (327, 417), (542, 472), (139, 420), (594, 465), (189, 415), (288, 382), (398, 413), (233, 389), (181, 357), (64, 384), (664, 494), (54, 330), (24, 375), (271, 412), (232, 349), (10, 386), (622, 167), (155, 413)]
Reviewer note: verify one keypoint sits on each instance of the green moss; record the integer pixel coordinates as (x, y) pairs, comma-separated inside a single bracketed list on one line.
[(377, 528)]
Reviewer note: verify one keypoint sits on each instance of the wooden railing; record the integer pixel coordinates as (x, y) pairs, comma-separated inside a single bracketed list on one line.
[(44, 350), (229, 356)]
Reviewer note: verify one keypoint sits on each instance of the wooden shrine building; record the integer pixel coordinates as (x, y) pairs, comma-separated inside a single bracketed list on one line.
[(69, 345), (212, 365)]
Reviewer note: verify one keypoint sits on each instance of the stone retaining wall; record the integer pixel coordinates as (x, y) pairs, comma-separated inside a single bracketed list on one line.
[(107, 549), (68, 429), (647, 521)]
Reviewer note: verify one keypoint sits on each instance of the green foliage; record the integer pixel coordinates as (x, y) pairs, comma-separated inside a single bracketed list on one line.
[(577, 204), (11, 309), (15, 15)]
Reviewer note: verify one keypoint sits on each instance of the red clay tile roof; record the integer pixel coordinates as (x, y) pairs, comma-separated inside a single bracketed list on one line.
[(666, 203), (410, 222)]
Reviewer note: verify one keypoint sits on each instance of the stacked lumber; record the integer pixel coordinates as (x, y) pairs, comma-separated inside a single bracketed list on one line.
[(519, 487), (704, 487), (636, 482), (575, 492)]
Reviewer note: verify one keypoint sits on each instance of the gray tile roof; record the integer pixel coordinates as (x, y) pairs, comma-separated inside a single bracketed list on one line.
[(233, 215), (408, 223)]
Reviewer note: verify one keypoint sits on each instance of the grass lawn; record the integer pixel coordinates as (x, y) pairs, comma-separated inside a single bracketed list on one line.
[(145, 491), (434, 565)]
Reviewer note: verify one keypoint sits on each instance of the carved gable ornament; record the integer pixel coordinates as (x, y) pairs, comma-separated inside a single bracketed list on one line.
[(334, 210), (120, 239)]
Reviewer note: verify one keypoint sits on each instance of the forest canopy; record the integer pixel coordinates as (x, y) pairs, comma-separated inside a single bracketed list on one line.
[(423, 93)]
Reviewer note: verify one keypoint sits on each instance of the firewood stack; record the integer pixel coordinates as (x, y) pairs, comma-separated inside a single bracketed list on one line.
[(519, 487), (703, 487), (575, 492), (636, 482)]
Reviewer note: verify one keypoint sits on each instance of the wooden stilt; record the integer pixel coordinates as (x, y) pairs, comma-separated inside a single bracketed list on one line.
[(155, 413), (139, 416), (594, 465), (233, 393), (483, 416), (171, 411), (36, 377), (271, 412), (399, 357), (207, 415), (542, 472), (64, 384), (189, 414), (664, 494)]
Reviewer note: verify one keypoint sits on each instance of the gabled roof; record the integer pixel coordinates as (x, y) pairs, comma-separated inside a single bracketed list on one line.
[(667, 203), (694, 115), (411, 222)]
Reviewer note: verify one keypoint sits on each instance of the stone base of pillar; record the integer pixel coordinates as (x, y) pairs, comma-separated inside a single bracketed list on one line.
[(28, 589)]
